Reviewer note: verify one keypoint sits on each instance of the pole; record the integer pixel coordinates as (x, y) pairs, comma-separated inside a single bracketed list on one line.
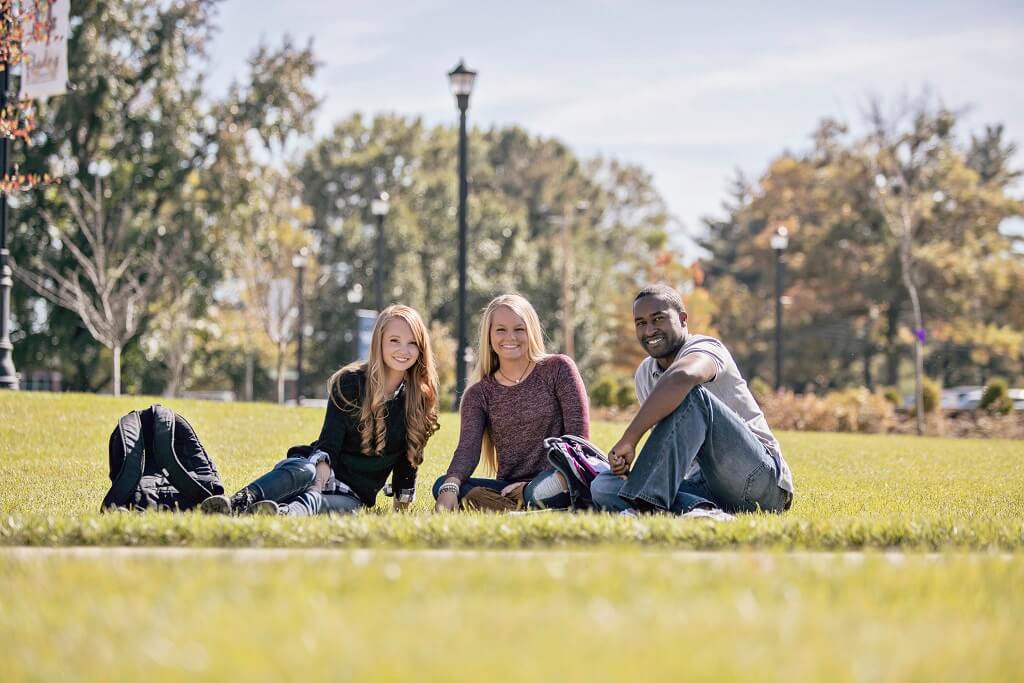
[(299, 279), (8, 375), (460, 351), (568, 273), (779, 267), (378, 272)]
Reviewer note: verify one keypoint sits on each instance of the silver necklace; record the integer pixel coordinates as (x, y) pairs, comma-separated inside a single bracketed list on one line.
[(516, 381)]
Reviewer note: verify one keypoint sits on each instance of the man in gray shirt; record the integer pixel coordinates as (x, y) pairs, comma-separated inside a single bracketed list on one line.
[(710, 446)]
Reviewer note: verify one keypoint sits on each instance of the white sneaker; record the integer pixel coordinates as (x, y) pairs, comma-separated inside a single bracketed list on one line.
[(716, 514), (265, 507)]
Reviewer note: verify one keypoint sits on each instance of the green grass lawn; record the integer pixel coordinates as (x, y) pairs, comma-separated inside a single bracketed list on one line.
[(596, 597), (853, 491), (583, 616)]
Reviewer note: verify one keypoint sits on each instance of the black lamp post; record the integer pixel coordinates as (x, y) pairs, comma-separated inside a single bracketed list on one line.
[(299, 261), (779, 242), (461, 81), (380, 207), (8, 375)]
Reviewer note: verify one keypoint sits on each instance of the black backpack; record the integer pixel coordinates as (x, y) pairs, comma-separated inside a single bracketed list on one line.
[(157, 462)]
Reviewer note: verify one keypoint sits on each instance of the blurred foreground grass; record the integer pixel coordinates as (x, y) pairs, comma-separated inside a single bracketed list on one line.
[(585, 616), (853, 491)]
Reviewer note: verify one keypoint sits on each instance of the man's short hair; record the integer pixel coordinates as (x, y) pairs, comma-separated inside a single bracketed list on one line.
[(665, 292)]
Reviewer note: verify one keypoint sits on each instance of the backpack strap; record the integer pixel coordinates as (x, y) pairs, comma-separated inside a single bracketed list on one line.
[(589, 449), (128, 437), (193, 491)]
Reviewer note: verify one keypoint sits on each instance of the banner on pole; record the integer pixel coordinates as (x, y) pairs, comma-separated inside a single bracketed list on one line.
[(45, 64), (365, 320)]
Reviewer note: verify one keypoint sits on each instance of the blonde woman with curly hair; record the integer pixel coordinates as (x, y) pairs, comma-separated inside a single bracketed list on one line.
[(518, 396), (380, 414)]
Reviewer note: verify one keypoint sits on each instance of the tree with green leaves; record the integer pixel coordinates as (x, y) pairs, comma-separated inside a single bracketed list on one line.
[(521, 189), (133, 112), (857, 245)]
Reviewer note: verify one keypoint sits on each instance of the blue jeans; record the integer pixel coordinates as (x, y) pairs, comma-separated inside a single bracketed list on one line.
[(737, 472), (538, 494), (288, 484)]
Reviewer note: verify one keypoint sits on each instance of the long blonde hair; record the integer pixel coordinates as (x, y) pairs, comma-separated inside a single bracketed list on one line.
[(420, 389), (487, 358)]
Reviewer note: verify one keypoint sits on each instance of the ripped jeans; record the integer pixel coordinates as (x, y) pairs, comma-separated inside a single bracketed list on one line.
[(289, 485)]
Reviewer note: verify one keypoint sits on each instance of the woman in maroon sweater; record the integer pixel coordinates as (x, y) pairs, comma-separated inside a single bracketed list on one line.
[(519, 396)]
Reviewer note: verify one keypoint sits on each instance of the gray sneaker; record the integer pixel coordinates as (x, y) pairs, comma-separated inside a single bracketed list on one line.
[(264, 507), (216, 505)]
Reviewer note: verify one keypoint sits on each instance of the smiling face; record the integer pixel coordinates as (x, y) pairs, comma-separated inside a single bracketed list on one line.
[(660, 328), (398, 345), (508, 335)]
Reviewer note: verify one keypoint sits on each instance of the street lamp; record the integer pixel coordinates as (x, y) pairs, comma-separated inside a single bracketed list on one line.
[(461, 81), (779, 242), (8, 375), (299, 261), (380, 207)]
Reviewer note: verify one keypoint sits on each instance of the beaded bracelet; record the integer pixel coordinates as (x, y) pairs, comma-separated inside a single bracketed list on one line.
[(449, 486)]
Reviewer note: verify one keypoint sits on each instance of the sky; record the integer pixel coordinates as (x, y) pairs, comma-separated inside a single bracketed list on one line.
[(691, 91)]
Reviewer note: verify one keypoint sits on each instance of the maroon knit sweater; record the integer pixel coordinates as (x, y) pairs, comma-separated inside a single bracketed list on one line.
[(551, 401)]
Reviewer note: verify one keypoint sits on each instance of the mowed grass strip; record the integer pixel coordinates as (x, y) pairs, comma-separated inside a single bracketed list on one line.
[(384, 616), (853, 491)]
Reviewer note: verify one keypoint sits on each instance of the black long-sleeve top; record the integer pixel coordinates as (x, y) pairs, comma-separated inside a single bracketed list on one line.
[(340, 439)]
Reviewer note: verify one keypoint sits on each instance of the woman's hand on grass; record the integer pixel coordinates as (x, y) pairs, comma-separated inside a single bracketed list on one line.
[(446, 502), (511, 488)]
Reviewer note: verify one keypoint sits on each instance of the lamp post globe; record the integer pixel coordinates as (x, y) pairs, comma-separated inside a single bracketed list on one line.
[(780, 240)]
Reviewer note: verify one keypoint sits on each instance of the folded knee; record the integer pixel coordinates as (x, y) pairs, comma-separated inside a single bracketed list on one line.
[(302, 469), (545, 491), (604, 490)]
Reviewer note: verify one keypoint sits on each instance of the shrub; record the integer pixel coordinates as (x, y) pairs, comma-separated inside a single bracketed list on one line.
[(760, 389), (996, 397), (625, 396), (602, 394), (806, 412), (931, 395), (892, 395), (851, 410), (859, 410)]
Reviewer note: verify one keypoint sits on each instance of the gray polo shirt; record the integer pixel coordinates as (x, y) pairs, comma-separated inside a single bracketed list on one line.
[(730, 388)]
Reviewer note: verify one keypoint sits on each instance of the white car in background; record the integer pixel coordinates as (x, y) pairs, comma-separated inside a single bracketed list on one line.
[(969, 397)]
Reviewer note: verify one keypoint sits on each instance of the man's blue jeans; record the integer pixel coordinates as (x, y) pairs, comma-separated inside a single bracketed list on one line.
[(536, 495), (737, 473), (288, 484)]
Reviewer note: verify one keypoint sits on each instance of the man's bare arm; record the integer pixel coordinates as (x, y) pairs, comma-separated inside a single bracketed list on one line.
[(681, 377)]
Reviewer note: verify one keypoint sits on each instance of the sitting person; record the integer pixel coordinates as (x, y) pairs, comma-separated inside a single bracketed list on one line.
[(380, 415), (710, 446), (519, 395)]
